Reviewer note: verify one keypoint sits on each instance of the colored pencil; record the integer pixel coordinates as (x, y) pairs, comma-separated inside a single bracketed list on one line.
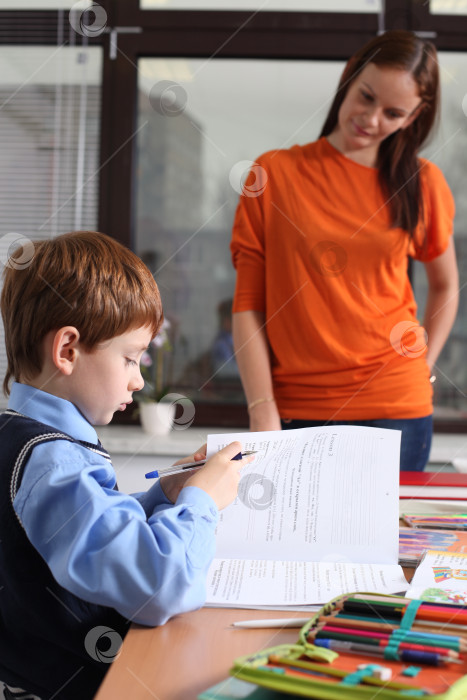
[(399, 601), (374, 637), (365, 637), (370, 623), (373, 641), (413, 657), (388, 611), (428, 625), (395, 601), (385, 634)]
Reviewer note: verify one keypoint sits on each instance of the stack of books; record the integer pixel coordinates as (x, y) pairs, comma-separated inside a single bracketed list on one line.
[(433, 485)]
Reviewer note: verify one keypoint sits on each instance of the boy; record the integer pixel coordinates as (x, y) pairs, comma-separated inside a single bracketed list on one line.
[(79, 560)]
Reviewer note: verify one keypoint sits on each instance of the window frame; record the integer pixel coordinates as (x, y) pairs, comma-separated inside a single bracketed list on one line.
[(450, 30)]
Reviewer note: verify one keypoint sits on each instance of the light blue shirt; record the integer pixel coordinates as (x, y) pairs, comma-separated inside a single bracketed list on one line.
[(140, 554)]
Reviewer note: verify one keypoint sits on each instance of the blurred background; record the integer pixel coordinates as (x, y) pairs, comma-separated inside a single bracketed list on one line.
[(140, 118)]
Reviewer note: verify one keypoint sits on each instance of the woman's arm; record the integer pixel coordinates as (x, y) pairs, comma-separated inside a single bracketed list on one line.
[(442, 301), (253, 359)]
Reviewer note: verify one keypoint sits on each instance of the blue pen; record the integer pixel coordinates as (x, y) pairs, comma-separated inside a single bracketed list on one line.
[(178, 468)]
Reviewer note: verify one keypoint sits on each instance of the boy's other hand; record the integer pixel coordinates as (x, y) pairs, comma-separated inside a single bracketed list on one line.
[(172, 485), (220, 475), (195, 457)]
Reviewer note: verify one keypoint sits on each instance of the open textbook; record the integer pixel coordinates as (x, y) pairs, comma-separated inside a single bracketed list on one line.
[(316, 516), (441, 577)]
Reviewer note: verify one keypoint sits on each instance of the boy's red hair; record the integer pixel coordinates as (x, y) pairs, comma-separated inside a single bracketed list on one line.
[(83, 279)]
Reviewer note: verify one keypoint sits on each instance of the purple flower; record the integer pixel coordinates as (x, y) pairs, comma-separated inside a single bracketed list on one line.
[(162, 339), (146, 359), (155, 368)]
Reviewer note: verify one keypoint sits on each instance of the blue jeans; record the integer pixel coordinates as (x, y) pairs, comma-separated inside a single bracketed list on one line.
[(415, 442)]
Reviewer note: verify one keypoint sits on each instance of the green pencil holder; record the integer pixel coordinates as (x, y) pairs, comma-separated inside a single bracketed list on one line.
[(306, 670)]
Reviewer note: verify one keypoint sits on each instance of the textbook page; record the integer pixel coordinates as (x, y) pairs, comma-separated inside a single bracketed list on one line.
[(328, 494), (441, 577), (246, 582)]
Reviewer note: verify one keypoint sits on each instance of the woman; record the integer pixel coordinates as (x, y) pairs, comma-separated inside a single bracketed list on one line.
[(324, 323)]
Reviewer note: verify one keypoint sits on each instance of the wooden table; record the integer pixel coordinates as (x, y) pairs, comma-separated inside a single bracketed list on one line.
[(188, 654)]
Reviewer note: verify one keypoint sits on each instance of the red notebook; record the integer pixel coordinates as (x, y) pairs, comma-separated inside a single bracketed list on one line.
[(440, 485)]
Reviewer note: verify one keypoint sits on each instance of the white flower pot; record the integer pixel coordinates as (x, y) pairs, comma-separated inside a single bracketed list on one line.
[(157, 418)]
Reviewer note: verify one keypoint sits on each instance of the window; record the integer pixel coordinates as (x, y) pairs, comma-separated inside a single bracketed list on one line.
[(49, 130), (200, 125), (448, 7)]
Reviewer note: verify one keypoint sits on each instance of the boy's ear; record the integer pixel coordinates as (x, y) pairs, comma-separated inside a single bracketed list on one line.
[(64, 349)]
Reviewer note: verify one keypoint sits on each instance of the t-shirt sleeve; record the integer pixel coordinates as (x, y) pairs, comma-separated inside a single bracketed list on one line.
[(434, 233), (248, 242)]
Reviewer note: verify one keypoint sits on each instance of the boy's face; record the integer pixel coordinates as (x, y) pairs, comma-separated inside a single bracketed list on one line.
[(103, 380)]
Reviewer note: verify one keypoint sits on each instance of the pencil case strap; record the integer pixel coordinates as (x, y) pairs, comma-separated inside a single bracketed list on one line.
[(409, 615), (391, 651)]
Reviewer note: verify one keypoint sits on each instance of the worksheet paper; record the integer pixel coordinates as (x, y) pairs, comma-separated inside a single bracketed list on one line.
[(316, 515)]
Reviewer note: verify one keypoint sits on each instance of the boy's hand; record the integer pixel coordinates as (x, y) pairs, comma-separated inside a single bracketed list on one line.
[(220, 475), (172, 485), (195, 457)]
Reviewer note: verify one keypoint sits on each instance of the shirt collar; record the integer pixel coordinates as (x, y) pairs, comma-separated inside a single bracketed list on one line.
[(52, 410)]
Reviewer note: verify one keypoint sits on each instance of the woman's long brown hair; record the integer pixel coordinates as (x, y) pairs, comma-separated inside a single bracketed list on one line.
[(398, 163)]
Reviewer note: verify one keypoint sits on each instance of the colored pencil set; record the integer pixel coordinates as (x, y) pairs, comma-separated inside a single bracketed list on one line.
[(373, 625), (368, 646)]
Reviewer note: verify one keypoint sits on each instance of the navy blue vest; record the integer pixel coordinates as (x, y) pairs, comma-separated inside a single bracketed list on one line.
[(43, 627)]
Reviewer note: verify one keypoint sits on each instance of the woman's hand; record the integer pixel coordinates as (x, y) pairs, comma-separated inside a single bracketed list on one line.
[(173, 484), (265, 416)]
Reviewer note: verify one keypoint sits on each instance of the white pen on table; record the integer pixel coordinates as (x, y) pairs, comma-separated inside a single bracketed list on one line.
[(179, 468), (280, 622)]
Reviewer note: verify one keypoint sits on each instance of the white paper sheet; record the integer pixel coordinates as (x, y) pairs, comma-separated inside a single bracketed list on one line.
[(244, 582), (314, 494), (317, 515)]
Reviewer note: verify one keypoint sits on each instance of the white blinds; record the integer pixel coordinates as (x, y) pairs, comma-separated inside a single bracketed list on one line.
[(49, 144)]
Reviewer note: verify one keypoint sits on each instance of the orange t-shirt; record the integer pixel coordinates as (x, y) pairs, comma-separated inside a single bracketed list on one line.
[(314, 250)]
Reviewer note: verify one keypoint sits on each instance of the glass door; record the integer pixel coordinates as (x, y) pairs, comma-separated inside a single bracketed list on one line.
[(201, 123)]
